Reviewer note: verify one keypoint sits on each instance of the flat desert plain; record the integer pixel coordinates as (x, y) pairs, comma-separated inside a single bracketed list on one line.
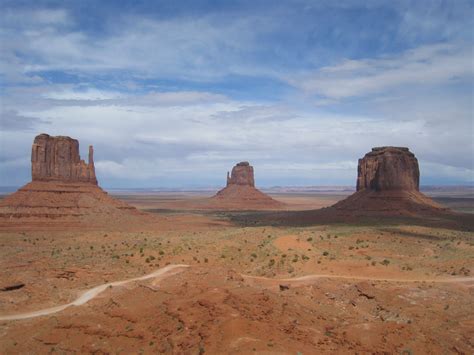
[(207, 282)]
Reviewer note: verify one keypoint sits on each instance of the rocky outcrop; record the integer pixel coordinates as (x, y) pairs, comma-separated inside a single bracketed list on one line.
[(64, 193), (387, 187), (388, 183), (242, 174), (240, 192), (58, 159), (388, 168)]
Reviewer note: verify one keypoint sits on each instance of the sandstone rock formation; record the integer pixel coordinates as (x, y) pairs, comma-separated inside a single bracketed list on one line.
[(242, 174), (58, 159), (63, 192), (240, 192), (387, 187), (388, 168), (388, 183)]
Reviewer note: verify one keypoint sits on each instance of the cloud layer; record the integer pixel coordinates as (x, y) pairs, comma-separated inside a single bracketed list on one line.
[(174, 96)]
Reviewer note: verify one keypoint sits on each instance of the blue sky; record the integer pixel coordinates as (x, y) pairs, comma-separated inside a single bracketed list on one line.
[(172, 94)]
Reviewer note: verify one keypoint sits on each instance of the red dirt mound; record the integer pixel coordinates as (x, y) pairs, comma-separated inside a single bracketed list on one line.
[(67, 204), (410, 203), (244, 198)]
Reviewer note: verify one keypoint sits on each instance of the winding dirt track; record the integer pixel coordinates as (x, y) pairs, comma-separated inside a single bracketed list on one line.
[(311, 278), (90, 294), (93, 292)]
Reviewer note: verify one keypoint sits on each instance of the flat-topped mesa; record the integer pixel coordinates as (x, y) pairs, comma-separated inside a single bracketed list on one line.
[(58, 159), (388, 168), (242, 174)]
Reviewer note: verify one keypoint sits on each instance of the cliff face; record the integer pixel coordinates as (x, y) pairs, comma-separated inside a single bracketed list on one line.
[(242, 174), (58, 159), (388, 168), (387, 185)]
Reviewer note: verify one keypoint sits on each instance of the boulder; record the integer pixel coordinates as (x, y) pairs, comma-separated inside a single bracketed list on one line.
[(58, 159), (388, 168)]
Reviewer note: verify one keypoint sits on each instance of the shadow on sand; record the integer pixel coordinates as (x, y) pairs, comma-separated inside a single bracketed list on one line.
[(330, 216)]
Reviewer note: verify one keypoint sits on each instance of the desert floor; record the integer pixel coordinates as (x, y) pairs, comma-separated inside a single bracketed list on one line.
[(338, 288)]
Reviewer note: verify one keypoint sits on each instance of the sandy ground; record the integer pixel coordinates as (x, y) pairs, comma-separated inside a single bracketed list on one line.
[(237, 296), (194, 201)]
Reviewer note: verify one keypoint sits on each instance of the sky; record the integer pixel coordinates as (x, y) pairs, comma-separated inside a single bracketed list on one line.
[(174, 93)]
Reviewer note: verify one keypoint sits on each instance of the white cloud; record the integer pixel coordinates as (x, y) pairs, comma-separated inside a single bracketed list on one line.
[(202, 135), (31, 18), (172, 98), (178, 131), (203, 48), (445, 171), (425, 65), (85, 95)]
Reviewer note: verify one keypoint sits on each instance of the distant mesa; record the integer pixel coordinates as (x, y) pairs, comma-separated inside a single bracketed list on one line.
[(387, 186), (240, 192), (63, 191), (388, 181)]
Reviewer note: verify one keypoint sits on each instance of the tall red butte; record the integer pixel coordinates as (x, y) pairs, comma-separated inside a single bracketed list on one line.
[(240, 192), (58, 159), (63, 191), (388, 180)]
